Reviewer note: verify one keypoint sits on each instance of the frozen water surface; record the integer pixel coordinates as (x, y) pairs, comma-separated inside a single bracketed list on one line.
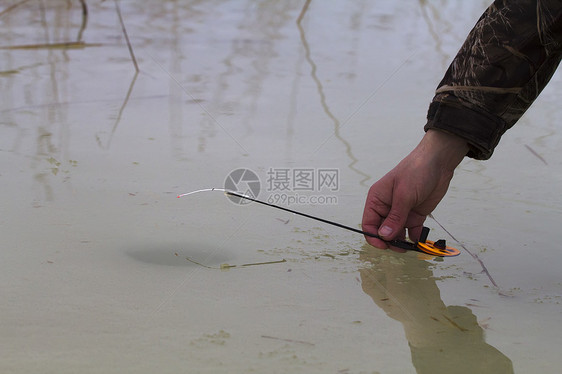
[(103, 270)]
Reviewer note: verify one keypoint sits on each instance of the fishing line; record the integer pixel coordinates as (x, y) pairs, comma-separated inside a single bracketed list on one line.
[(473, 255), (433, 248)]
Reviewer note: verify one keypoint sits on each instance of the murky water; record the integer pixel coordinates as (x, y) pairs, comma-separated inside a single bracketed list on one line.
[(104, 270)]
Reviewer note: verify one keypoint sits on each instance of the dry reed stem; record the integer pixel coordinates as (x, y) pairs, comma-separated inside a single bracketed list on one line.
[(12, 7), (84, 19), (63, 45), (126, 36)]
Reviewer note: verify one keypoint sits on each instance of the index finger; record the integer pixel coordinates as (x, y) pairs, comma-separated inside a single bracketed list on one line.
[(371, 222)]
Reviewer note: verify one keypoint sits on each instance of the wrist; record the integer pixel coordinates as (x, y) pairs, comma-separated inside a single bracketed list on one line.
[(445, 148)]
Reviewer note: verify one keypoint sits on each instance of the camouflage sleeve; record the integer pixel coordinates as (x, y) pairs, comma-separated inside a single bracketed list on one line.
[(505, 62)]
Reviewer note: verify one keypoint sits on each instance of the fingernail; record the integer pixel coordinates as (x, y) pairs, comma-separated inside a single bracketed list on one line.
[(385, 231)]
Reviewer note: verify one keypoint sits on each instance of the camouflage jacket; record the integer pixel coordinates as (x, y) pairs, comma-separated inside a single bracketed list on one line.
[(505, 62)]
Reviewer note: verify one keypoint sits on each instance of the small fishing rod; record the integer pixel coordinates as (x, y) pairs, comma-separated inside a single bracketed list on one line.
[(438, 248)]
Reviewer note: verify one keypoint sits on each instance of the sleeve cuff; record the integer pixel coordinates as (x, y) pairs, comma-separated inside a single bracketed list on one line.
[(481, 131)]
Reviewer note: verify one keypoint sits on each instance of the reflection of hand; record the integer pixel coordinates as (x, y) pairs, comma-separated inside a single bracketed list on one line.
[(442, 339), (409, 192)]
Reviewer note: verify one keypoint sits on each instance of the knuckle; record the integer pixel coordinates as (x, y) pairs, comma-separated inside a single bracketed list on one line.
[(394, 217)]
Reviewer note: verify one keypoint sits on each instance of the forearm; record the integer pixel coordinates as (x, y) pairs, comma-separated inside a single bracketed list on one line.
[(506, 61)]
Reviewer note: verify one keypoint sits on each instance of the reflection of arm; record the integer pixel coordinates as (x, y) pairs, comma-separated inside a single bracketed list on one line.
[(442, 339), (505, 62)]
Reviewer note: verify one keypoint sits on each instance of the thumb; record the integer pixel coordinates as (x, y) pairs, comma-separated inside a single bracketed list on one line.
[(394, 222)]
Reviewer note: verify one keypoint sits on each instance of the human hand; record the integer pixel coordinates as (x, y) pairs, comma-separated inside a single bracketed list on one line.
[(408, 193)]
